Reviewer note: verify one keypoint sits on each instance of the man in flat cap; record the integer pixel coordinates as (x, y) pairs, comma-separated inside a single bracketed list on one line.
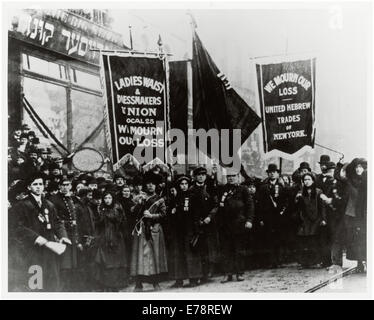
[(67, 211), (204, 206), (25, 128), (32, 164), (22, 146), (60, 163), (119, 180), (235, 214), (272, 204), (43, 152)]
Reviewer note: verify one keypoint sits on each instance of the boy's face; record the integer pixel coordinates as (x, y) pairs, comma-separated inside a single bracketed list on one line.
[(151, 187), (273, 175), (184, 185), (232, 179), (36, 187), (252, 189), (200, 178), (126, 193), (65, 187), (33, 156)]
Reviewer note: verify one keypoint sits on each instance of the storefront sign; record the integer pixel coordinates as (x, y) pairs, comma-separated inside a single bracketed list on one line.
[(64, 32)]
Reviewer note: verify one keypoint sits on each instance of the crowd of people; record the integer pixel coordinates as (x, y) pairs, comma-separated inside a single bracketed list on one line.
[(127, 231)]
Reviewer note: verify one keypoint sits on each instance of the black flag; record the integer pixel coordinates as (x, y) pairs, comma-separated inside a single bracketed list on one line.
[(216, 104), (178, 95)]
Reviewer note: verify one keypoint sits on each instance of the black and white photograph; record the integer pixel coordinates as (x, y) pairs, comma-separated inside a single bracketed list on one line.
[(186, 149)]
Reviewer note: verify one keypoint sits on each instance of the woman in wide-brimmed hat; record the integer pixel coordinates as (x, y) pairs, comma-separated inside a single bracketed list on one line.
[(355, 176), (148, 257)]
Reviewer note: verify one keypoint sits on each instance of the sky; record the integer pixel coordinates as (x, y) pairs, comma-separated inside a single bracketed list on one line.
[(340, 36)]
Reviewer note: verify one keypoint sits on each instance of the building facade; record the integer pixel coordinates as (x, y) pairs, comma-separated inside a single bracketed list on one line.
[(54, 63)]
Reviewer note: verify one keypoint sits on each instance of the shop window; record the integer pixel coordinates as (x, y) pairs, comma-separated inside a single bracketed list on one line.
[(44, 67), (49, 102), (85, 79), (87, 114)]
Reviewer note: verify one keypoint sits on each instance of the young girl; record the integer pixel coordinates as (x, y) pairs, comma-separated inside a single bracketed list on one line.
[(312, 217), (111, 254)]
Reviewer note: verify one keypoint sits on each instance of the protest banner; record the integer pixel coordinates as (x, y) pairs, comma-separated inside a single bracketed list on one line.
[(287, 101), (136, 106)]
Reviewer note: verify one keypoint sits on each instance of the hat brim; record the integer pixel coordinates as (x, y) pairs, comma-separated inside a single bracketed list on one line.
[(277, 170), (200, 172)]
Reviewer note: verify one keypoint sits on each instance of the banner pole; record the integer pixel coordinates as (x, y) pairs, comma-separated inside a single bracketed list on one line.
[(130, 34), (280, 164), (131, 52), (189, 110), (167, 153)]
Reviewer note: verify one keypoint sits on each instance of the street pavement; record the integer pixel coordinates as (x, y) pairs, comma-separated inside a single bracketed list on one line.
[(287, 279)]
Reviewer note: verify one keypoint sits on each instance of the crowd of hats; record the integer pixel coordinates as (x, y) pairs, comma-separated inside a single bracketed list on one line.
[(52, 171)]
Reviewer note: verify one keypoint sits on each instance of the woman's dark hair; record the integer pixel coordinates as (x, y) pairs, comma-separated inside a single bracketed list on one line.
[(351, 169), (97, 194), (125, 187), (312, 187), (105, 193), (83, 192)]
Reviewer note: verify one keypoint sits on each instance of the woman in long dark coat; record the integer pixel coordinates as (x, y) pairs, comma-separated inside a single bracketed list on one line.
[(312, 217), (185, 261), (110, 258), (148, 257), (356, 211), (127, 203)]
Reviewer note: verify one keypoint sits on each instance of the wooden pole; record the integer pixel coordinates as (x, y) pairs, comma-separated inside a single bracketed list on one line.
[(130, 34), (190, 93), (133, 52), (189, 108)]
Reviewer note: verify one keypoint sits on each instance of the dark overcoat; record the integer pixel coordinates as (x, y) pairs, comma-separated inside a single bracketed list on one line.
[(27, 221), (184, 260)]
